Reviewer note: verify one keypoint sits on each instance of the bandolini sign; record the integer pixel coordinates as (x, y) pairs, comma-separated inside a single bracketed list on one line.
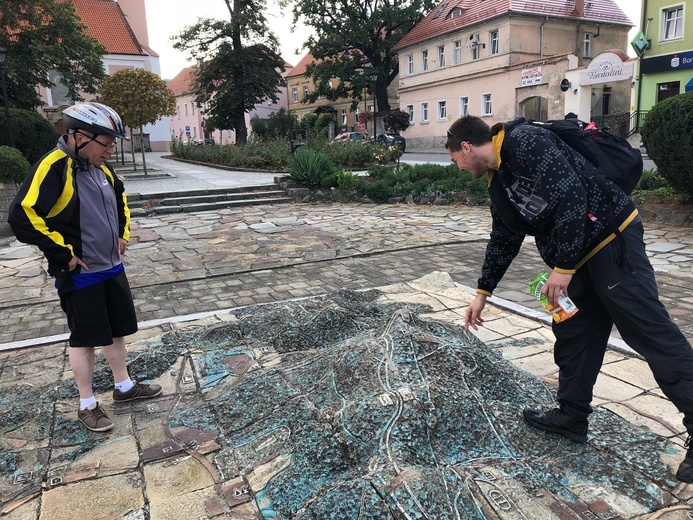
[(605, 68)]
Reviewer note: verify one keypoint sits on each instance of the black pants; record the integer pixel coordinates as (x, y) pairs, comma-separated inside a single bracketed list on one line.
[(607, 293)]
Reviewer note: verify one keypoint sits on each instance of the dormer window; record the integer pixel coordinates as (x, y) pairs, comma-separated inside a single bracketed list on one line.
[(455, 13)]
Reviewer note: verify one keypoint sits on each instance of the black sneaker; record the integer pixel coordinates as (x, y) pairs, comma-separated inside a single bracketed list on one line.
[(139, 391), (96, 420), (685, 472), (557, 421)]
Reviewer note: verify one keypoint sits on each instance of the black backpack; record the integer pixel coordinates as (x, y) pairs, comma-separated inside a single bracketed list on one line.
[(614, 157)]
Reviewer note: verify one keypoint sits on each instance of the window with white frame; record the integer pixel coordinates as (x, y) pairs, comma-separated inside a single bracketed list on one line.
[(294, 95), (475, 46), (493, 42), (587, 45), (356, 116), (442, 110), (441, 56), (424, 61), (305, 91), (344, 120), (178, 111), (192, 107), (410, 64), (185, 108), (194, 128), (371, 108), (672, 22), (424, 112), (410, 111), (464, 106), (486, 105), (457, 52)]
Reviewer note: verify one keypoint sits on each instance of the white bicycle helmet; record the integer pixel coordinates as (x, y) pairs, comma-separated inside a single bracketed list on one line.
[(95, 118)]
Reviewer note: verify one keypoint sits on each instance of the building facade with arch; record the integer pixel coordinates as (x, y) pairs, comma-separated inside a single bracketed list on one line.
[(498, 59)]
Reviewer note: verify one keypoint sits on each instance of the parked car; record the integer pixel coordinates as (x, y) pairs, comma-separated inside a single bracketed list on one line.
[(392, 139), (349, 136)]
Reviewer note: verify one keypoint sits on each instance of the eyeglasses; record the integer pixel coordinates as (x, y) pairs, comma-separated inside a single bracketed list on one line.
[(111, 146)]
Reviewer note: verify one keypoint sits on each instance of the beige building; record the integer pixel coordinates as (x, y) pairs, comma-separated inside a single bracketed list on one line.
[(501, 58), (346, 116)]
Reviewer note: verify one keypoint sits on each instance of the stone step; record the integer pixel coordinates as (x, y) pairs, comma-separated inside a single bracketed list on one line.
[(199, 199), (206, 206), (132, 197)]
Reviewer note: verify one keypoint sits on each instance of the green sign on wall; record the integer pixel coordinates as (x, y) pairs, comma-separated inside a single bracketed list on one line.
[(640, 43)]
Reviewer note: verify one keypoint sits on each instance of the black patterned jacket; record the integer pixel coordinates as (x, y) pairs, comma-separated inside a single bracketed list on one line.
[(542, 188)]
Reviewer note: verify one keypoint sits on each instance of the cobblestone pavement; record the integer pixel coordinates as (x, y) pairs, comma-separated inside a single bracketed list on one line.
[(196, 262), (188, 270)]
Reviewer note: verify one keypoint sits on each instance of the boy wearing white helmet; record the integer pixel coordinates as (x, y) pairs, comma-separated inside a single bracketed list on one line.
[(72, 206)]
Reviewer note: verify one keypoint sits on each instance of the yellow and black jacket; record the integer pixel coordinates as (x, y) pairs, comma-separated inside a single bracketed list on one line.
[(66, 208), (543, 188)]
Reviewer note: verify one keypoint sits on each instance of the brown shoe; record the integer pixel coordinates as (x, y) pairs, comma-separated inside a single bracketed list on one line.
[(96, 420), (139, 391)]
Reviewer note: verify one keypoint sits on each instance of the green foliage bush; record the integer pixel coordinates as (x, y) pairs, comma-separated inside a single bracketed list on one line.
[(668, 136), (309, 168), (13, 165), (33, 134), (265, 155), (379, 190), (346, 179), (651, 180), (351, 154)]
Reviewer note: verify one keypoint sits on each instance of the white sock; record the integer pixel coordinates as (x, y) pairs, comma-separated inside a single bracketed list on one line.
[(126, 385), (89, 402)]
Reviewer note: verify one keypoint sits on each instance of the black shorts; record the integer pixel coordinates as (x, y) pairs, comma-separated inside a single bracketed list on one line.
[(100, 312)]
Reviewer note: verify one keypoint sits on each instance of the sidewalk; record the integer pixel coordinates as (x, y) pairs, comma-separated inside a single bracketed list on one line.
[(193, 276)]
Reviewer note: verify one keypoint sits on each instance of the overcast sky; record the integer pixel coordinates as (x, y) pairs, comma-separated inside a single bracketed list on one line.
[(167, 18)]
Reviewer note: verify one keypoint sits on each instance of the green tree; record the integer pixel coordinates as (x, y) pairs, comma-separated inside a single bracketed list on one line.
[(45, 39), (396, 121), (668, 136), (140, 97), (238, 64), (352, 39)]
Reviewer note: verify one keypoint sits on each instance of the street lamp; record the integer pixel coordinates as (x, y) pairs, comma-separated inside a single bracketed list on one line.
[(374, 82), (8, 117)]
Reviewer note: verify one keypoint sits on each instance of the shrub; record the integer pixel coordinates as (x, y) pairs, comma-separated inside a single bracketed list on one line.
[(308, 168), (668, 136), (346, 179), (13, 165), (379, 191), (352, 154), (33, 134), (651, 180)]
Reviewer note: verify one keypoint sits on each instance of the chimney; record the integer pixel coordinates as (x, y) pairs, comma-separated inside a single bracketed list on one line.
[(579, 8)]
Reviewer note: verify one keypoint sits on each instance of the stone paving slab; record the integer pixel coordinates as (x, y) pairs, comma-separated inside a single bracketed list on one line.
[(164, 470)]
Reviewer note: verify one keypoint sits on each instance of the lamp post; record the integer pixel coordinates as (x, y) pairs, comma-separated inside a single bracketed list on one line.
[(8, 117), (374, 82)]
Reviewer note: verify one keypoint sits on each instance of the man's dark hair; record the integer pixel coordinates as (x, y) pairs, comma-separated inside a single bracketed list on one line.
[(471, 129)]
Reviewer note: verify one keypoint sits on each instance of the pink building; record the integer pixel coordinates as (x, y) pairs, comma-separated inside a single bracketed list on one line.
[(189, 123)]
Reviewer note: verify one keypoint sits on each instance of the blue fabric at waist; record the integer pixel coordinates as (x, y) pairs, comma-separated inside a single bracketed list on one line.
[(85, 279)]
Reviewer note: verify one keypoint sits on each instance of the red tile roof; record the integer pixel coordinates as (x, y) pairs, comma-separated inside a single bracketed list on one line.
[(106, 22), (300, 68), (180, 84), (438, 22)]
